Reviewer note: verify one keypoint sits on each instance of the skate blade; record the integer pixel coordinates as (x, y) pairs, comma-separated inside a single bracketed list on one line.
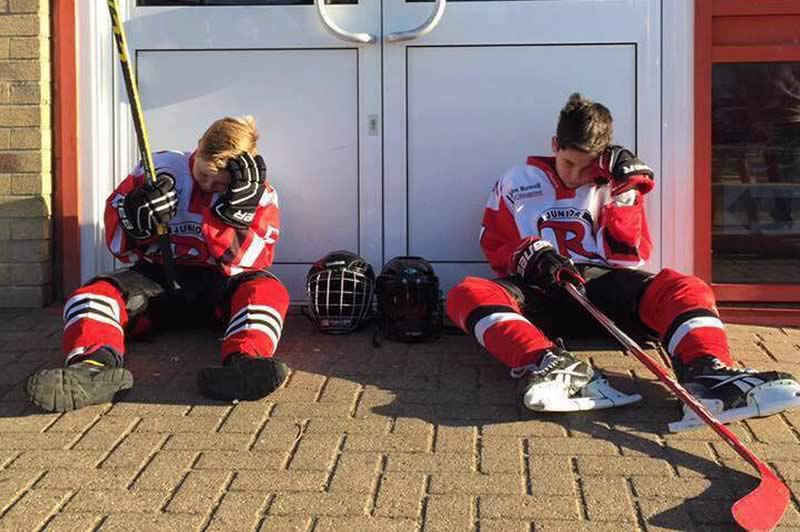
[(768, 399), (597, 395)]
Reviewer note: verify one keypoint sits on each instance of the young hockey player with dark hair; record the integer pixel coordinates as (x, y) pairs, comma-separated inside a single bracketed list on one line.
[(223, 222), (579, 217)]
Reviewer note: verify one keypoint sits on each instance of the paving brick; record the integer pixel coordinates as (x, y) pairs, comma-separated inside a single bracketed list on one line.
[(551, 475), (278, 435), (240, 511), (607, 499), (400, 494), (347, 426), (412, 426), (105, 434), (136, 522), (134, 450), (73, 523), (199, 492), (13, 484), (305, 410), (501, 455), (527, 507), (455, 439), (622, 466), (363, 524), (431, 462), (334, 504), (145, 410), (681, 488), (279, 481), (33, 508), (449, 512), (35, 441), (505, 525), (213, 441), (477, 484), (111, 501), (26, 424), (245, 417), (239, 460), (772, 429), (355, 473), (86, 478), (337, 390), (571, 446), (533, 428), (666, 514), (178, 425), (388, 443), (66, 459), (165, 471), (315, 452)]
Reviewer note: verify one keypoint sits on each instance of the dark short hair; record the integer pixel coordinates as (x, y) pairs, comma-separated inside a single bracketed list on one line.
[(584, 125)]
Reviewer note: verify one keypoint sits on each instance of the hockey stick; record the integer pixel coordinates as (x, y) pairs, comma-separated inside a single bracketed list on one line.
[(762, 508), (141, 135)]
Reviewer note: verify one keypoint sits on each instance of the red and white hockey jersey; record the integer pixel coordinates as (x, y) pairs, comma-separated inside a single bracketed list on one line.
[(197, 235), (585, 224)]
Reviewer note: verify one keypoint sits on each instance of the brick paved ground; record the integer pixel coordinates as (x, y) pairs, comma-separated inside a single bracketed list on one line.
[(425, 437)]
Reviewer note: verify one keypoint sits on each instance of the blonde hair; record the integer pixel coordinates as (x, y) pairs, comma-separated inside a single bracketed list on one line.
[(226, 138)]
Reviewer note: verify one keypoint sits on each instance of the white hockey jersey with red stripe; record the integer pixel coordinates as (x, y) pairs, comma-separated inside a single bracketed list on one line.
[(585, 224), (197, 235)]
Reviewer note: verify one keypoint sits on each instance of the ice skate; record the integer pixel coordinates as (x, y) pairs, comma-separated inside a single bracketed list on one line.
[(242, 377), (562, 383), (733, 394), (89, 381)]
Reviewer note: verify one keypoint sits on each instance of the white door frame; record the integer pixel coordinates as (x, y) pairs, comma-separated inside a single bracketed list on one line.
[(97, 166)]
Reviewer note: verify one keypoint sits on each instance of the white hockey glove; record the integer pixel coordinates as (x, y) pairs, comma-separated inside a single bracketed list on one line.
[(149, 205), (237, 206)]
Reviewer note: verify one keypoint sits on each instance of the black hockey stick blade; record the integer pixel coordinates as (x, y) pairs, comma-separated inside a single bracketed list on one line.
[(762, 508)]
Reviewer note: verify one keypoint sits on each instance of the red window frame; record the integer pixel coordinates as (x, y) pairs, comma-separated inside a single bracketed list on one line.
[(720, 37)]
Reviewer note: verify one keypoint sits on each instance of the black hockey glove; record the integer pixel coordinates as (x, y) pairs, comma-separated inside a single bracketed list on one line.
[(537, 263), (237, 206), (625, 171), (149, 205)]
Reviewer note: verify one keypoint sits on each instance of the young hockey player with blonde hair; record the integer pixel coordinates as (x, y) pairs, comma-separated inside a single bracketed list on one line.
[(579, 218), (223, 224)]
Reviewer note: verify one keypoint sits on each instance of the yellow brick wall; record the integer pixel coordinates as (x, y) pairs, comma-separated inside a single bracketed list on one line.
[(25, 154)]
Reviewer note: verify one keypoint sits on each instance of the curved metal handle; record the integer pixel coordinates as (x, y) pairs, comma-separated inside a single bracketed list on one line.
[(424, 28), (336, 31)]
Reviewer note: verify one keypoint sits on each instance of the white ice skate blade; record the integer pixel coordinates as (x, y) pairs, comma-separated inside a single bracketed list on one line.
[(596, 395), (764, 400)]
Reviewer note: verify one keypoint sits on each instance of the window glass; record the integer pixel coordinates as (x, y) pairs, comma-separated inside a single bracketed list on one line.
[(755, 173)]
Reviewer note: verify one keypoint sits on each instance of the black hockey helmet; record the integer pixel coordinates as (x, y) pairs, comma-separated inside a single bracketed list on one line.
[(340, 286), (409, 300)]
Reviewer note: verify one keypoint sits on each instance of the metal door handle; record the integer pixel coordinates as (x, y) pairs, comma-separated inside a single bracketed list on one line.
[(422, 29), (336, 31)]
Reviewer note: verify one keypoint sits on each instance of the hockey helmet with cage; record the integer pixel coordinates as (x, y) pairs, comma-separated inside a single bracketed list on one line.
[(409, 300), (340, 287)]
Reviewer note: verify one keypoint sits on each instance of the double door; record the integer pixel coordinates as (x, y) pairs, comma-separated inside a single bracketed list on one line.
[(385, 123)]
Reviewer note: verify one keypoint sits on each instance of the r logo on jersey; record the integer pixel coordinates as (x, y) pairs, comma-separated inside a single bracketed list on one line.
[(568, 229)]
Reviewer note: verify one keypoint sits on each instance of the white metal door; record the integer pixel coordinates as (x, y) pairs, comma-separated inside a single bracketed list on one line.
[(314, 90), (386, 147), (482, 90)]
